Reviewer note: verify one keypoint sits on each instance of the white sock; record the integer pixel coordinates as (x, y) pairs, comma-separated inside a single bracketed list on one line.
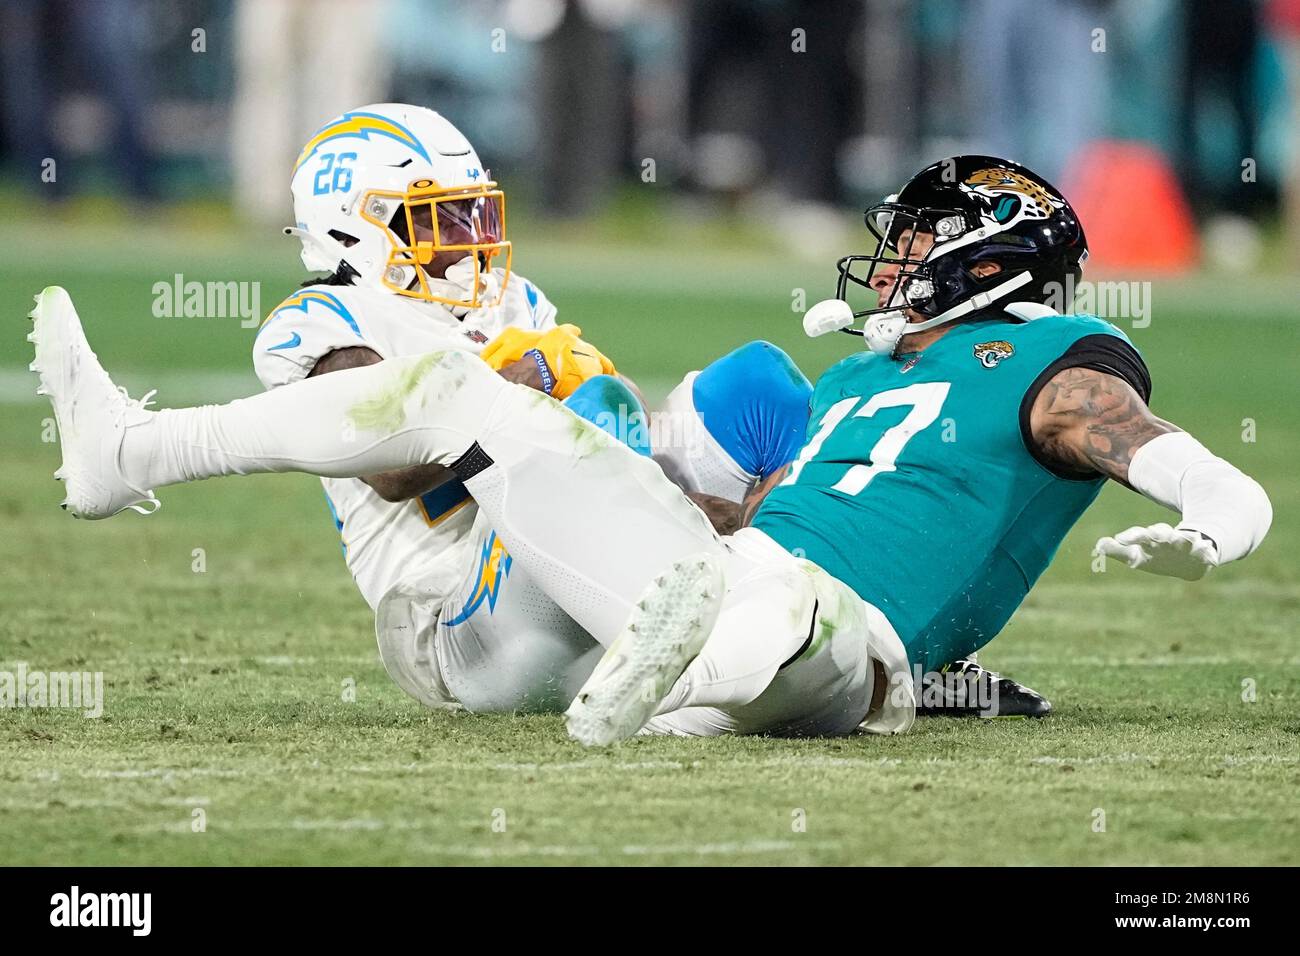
[(349, 423)]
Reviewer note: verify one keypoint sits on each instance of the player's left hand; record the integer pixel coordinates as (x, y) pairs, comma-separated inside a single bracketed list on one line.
[(1160, 549)]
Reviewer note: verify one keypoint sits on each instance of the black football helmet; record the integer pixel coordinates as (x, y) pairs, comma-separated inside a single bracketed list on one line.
[(972, 209)]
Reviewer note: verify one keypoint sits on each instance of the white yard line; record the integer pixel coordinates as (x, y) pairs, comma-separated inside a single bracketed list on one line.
[(488, 851), (592, 765), (162, 660), (791, 761), (630, 850), (62, 803), (1004, 660)]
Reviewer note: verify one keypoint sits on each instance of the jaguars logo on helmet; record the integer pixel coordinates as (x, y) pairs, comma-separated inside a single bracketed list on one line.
[(1009, 192)]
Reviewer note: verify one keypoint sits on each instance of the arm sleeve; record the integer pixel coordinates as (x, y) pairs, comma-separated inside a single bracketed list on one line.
[(1101, 352), (1213, 496)]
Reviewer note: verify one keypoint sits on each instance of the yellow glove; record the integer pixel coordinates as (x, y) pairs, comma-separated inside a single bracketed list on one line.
[(563, 358), (510, 346)]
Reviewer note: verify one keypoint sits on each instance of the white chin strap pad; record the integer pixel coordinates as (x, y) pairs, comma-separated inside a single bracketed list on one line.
[(883, 331), (1212, 495), (458, 282)]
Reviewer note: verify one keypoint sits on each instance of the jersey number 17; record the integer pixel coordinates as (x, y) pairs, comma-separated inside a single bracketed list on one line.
[(925, 400)]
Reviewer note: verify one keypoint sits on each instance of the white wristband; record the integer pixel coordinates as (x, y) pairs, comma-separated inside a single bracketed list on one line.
[(1212, 495)]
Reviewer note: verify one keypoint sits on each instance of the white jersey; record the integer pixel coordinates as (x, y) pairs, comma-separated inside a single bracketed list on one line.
[(386, 542)]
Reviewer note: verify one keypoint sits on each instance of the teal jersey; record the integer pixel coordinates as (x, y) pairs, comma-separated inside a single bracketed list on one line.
[(916, 487)]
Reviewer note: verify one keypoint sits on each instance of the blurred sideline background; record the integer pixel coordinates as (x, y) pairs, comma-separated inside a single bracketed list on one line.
[(658, 157), (681, 176), (769, 113)]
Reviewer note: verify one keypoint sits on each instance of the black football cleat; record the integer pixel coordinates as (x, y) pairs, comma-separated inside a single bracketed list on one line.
[(965, 689)]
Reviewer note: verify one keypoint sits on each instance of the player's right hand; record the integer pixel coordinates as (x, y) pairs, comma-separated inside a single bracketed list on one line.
[(564, 359), (1160, 549)]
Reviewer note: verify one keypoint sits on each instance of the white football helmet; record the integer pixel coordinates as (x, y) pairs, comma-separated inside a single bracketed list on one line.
[(395, 194)]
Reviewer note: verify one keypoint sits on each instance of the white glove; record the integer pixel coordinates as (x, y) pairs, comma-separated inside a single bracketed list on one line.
[(1160, 549)]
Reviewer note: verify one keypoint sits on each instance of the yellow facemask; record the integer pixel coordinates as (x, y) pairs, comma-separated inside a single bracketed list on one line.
[(442, 227)]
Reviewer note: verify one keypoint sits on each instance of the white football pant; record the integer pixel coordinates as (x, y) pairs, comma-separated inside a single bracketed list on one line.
[(591, 521)]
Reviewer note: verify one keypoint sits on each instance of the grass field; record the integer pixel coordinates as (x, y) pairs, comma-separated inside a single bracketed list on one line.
[(225, 689)]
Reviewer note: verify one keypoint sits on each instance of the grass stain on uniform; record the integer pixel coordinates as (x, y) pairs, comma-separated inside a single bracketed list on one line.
[(832, 614), (589, 438), (386, 412)]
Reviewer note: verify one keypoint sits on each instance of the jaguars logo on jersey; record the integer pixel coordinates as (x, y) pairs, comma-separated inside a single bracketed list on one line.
[(991, 353)]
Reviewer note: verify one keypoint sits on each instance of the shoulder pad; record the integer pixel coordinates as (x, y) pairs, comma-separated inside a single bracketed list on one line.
[(1029, 310), (297, 332)]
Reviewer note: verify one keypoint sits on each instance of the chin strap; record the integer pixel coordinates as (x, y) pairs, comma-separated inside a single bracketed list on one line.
[(976, 302), (317, 254), (883, 331)]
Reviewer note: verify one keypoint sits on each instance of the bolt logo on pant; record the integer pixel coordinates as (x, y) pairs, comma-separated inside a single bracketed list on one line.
[(494, 568)]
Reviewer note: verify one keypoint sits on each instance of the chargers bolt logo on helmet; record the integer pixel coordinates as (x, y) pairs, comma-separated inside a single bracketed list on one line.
[(361, 125), (397, 195)]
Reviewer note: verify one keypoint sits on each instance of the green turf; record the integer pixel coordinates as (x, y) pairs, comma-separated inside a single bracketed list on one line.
[(225, 689)]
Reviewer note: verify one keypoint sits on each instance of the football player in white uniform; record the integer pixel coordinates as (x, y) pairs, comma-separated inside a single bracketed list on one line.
[(701, 634), (393, 203)]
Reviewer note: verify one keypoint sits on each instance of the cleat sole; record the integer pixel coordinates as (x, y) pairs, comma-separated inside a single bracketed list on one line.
[(665, 632)]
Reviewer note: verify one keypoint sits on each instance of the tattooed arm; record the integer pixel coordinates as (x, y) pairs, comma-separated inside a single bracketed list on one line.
[(1086, 421), (756, 494), (727, 516)]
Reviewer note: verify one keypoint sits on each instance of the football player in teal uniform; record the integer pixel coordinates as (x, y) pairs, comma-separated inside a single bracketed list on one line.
[(945, 463)]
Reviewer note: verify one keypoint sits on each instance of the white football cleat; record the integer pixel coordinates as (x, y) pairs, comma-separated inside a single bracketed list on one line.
[(666, 630), (92, 413)]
